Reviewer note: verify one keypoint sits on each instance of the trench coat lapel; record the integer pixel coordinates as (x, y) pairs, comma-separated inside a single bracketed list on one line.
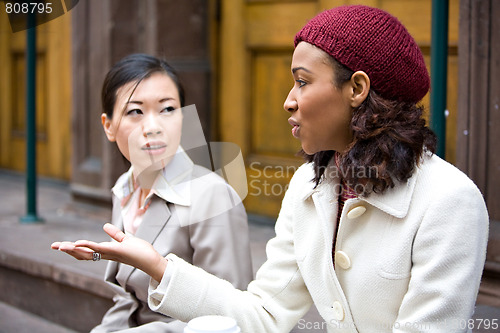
[(112, 266), (325, 201), (154, 220), (326, 204), (117, 213)]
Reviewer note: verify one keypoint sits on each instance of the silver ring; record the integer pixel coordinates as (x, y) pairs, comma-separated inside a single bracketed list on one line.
[(96, 256)]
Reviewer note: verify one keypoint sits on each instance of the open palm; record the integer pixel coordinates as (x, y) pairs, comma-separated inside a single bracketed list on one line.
[(125, 249)]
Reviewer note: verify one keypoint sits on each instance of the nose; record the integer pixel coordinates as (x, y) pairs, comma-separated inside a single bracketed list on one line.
[(150, 126), (290, 104)]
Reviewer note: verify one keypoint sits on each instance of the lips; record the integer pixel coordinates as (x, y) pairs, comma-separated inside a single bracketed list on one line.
[(154, 147), (295, 127)]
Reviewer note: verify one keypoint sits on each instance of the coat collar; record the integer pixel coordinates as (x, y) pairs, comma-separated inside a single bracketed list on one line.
[(394, 201), (172, 184)]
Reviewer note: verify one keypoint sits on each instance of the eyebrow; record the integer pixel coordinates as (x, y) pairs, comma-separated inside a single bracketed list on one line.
[(295, 69), (160, 101)]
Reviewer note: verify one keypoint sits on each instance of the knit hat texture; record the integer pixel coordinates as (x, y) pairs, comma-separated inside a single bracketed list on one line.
[(371, 40)]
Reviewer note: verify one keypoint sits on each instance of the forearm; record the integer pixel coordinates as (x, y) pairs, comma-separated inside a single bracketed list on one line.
[(191, 292), (274, 302), (157, 268)]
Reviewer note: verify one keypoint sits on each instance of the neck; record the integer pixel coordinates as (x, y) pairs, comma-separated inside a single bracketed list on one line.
[(146, 178), (143, 195)]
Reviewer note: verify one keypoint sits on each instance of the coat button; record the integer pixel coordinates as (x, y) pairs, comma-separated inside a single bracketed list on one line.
[(342, 259), (356, 212), (338, 311)]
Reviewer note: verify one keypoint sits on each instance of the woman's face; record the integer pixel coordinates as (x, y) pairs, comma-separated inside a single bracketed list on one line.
[(320, 112), (147, 124)]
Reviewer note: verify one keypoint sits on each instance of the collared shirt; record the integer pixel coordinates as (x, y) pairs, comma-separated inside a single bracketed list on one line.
[(171, 184)]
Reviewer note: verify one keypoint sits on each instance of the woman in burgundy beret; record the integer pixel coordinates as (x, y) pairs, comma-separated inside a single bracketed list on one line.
[(375, 230)]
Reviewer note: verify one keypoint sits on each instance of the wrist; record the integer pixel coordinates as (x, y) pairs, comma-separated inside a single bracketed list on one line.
[(158, 269)]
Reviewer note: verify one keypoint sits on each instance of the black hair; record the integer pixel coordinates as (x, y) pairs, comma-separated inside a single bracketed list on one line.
[(134, 68)]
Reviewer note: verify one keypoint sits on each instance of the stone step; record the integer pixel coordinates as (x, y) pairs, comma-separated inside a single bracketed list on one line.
[(45, 283), (78, 306), (14, 320)]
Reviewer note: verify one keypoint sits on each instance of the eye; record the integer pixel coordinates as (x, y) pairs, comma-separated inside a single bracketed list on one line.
[(168, 109), (301, 83), (134, 112)]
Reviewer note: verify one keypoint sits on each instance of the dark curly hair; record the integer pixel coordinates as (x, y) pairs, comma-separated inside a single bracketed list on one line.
[(390, 137)]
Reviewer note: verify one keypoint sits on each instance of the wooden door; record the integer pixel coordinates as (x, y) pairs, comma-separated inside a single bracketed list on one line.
[(256, 46), (53, 97), (478, 138)]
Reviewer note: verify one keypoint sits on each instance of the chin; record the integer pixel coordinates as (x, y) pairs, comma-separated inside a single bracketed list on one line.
[(309, 151)]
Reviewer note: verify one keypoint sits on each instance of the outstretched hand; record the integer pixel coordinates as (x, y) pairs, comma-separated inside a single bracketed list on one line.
[(125, 249)]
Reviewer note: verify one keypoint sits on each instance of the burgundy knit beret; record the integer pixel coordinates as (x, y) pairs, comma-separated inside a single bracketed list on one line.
[(371, 40)]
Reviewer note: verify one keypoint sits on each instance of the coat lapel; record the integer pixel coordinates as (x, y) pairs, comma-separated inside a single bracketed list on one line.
[(326, 204), (112, 267), (325, 201), (154, 220), (117, 213)]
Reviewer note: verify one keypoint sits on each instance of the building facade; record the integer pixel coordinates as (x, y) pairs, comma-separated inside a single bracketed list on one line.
[(233, 57)]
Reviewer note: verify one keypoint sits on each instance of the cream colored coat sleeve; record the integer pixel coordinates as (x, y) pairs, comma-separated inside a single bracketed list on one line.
[(274, 302)]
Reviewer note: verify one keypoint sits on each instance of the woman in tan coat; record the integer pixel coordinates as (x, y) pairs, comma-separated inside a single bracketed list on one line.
[(164, 199), (375, 230)]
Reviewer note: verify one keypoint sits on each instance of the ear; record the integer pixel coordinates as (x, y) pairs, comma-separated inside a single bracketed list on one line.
[(108, 127), (359, 85)]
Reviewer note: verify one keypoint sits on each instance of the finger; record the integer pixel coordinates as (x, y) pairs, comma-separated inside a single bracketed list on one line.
[(114, 232), (106, 249), (66, 246), (83, 249), (87, 244), (80, 253)]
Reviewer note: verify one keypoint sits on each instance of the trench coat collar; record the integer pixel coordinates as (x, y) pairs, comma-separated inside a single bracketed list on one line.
[(394, 201), (172, 184)]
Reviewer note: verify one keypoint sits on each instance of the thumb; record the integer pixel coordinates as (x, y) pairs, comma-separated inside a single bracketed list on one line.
[(114, 232)]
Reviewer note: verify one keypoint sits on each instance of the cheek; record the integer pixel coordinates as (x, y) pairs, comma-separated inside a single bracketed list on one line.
[(129, 141), (123, 147), (319, 112), (173, 130), (335, 111), (176, 131), (318, 102)]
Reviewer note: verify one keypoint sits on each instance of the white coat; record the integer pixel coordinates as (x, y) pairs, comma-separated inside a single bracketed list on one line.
[(410, 259)]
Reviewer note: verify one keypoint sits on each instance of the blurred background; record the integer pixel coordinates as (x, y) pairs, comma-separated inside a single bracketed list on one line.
[(234, 59)]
